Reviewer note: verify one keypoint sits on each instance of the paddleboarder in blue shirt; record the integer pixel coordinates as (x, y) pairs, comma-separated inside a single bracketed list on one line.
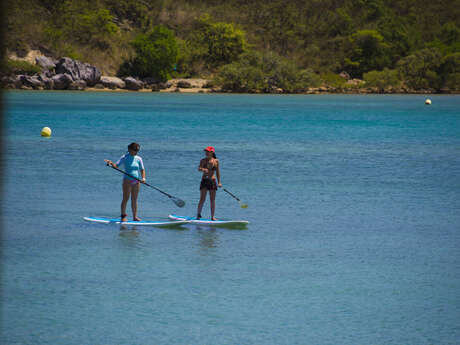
[(133, 165), (209, 165)]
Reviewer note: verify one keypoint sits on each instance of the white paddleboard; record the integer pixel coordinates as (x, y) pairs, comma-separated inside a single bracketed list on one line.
[(204, 221), (104, 220)]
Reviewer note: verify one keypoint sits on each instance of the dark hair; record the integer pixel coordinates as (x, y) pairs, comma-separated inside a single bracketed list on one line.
[(213, 154), (134, 146)]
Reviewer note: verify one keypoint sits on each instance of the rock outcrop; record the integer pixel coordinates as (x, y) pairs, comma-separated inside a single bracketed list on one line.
[(183, 84), (69, 74), (45, 63), (149, 81), (77, 85), (31, 81), (112, 82), (79, 70), (355, 82), (345, 75), (133, 84), (61, 81), (47, 81), (11, 82)]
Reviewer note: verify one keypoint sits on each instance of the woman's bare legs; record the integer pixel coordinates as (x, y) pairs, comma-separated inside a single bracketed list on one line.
[(134, 193), (126, 194), (202, 200), (212, 197)]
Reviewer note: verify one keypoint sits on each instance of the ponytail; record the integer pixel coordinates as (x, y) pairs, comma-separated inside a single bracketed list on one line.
[(214, 155)]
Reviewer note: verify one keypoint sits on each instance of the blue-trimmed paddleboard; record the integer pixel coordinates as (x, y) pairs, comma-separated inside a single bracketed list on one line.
[(104, 220), (209, 222)]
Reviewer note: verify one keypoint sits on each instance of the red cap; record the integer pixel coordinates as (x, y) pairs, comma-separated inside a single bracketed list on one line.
[(210, 149)]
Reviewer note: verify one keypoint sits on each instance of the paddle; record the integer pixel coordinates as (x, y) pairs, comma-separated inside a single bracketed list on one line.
[(235, 197), (177, 201)]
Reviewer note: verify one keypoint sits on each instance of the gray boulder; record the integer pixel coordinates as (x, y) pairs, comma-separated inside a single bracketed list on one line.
[(79, 70), (11, 82), (133, 84), (46, 80), (49, 74), (162, 86), (45, 63), (31, 81), (112, 82), (150, 81), (345, 75), (77, 85), (61, 81), (184, 84)]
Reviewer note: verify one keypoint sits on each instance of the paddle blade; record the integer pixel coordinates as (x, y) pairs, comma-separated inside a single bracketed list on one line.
[(244, 205), (178, 202)]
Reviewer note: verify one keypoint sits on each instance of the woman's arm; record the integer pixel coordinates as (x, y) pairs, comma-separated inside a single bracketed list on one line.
[(218, 175), (115, 165), (142, 168), (201, 167), (109, 162)]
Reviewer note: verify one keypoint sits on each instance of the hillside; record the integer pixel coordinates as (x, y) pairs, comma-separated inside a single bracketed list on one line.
[(256, 44)]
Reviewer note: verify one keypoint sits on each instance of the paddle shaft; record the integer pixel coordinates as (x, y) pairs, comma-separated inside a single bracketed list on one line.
[(234, 196), (134, 177)]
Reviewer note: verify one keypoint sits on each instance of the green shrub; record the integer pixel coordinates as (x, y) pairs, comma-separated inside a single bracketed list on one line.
[(420, 70), (216, 44), (450, 71), (188, 64), (241, 77), (20, 67), (156, 54), (450, 33), (333, 80), (69, 51), (452, 81), (82, 22), (97, 23), (264, 72), (382, 79)]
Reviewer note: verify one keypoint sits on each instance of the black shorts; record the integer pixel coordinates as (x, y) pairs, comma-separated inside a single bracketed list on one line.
[(208, 183)]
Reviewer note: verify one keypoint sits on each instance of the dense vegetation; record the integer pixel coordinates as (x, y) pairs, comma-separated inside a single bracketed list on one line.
[(251, 45)]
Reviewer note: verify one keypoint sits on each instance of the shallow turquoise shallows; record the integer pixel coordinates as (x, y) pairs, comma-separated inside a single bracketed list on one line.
[(354, 211)]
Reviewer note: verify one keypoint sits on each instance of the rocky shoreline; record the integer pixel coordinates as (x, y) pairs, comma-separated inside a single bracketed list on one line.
[(69, 74)]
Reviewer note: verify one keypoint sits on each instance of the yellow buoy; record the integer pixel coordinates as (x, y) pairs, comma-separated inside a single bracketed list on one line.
[(46, 132), (428, 101)]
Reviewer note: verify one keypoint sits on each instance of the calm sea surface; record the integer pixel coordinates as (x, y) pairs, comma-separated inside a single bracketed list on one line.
[(354, 204)]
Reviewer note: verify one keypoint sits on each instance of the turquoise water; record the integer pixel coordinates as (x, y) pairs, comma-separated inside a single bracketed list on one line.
[(353, 201)]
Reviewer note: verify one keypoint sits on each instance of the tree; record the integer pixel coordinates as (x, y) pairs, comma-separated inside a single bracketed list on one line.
[(241, 77), (382, 79), (265, 72), (96, 26), (156, 54), (449, 34), (367, 51), (216, 43), (82, 22), (450, 71), (420, 70)]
